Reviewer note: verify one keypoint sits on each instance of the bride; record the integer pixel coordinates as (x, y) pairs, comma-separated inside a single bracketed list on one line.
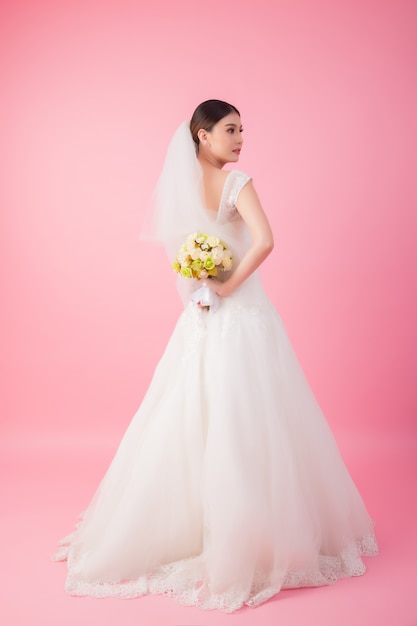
[(228, 485)]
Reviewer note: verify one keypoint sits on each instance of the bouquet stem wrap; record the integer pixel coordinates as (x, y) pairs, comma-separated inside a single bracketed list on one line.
[(206, 298)]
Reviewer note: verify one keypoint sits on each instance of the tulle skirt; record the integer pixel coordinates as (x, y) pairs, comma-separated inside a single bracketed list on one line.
[(227, 485)]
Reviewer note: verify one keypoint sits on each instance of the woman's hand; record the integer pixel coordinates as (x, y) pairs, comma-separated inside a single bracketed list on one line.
[(206, 296), (214, 284)]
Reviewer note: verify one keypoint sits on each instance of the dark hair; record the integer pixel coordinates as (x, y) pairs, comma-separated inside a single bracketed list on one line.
[(207, 114)]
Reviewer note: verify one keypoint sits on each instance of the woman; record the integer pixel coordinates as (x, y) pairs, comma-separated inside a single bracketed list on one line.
[(228, 485)]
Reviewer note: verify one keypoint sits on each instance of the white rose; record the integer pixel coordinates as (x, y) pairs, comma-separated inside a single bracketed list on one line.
[(190, 246), (227, 263), (195, 254), (213, 241), (203, 256), (183, 257), (217, 254), (203, 274)]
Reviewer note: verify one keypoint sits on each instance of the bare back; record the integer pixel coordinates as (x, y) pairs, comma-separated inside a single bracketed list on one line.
[(214, 180)]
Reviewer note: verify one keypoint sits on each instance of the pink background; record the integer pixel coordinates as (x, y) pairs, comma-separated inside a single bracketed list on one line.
[(91, 92)]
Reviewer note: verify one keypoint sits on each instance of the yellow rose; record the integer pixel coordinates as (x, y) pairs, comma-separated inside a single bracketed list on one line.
[(176, 266), (186, 272), (197, 266), (209, 264)]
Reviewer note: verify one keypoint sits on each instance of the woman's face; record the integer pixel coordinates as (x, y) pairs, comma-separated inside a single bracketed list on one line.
[(224, 141)]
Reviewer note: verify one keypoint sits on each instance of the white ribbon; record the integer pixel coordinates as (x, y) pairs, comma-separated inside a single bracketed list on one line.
[(204, 296)]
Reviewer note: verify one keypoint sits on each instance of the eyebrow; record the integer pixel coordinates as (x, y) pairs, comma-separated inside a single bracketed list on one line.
[(234, 125)]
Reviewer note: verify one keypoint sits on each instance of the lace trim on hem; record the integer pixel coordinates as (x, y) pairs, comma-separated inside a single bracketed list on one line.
[(173, 580)]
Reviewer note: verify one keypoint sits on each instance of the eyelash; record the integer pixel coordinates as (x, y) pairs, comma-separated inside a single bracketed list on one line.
[(232, 130)]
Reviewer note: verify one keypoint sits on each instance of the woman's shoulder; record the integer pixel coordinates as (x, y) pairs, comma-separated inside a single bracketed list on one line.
[(238, 179), (239, 175)]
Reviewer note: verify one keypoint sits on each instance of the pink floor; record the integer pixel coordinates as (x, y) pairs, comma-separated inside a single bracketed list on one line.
[(45, 485)]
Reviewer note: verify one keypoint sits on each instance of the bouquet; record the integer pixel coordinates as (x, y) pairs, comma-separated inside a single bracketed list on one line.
[(203, 256)]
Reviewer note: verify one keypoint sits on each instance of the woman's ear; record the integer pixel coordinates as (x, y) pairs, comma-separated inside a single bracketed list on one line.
[(202, 135)]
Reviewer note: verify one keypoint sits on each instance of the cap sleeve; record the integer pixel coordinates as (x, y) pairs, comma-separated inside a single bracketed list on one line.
[(234, 185), (239, 180)]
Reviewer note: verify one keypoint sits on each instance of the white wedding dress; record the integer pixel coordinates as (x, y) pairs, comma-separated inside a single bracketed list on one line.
[(228, 485)]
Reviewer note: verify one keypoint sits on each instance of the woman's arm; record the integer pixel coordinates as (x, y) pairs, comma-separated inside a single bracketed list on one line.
[(250, 209)]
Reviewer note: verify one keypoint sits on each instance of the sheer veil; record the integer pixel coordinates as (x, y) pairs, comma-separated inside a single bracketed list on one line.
[(178, 210), (177, 207)]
